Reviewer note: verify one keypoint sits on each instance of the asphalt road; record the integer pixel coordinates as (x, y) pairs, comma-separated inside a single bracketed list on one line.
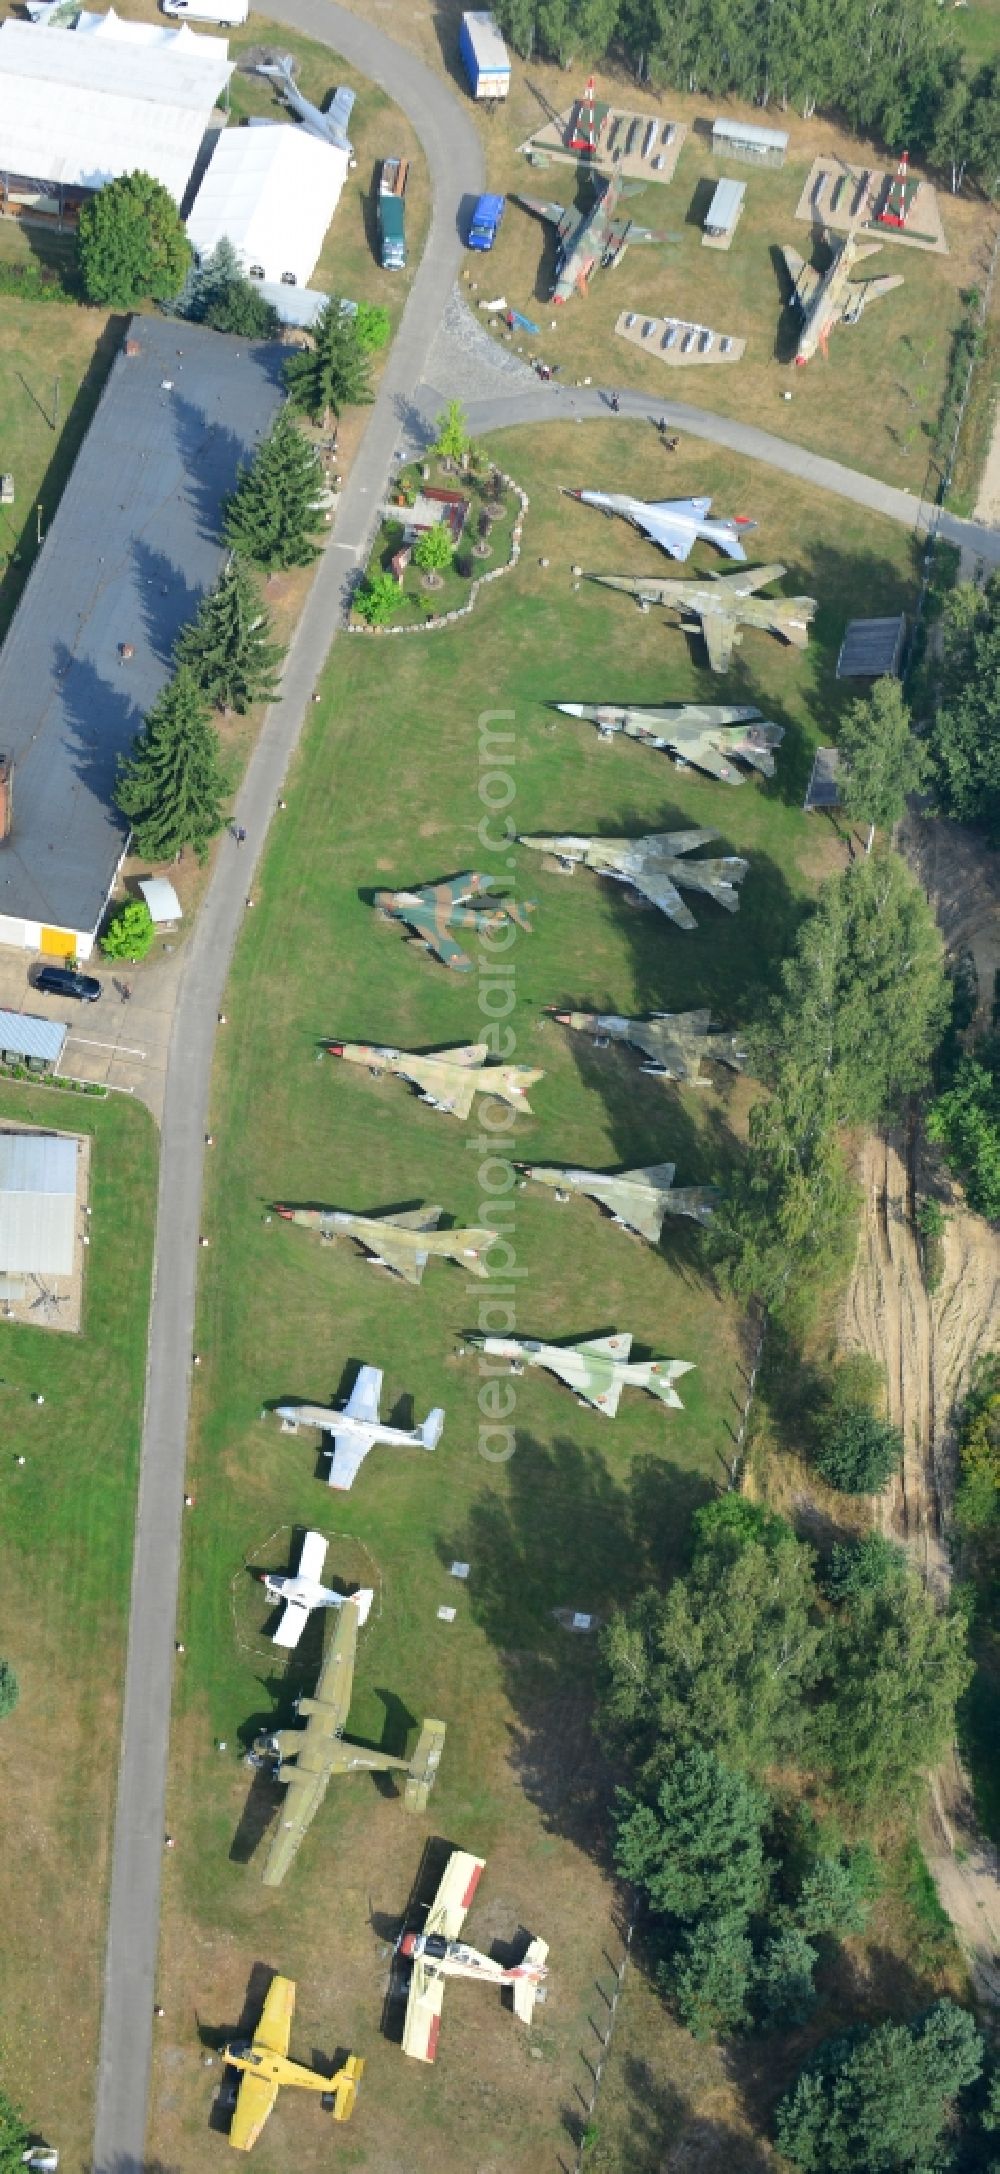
[(452, 148)]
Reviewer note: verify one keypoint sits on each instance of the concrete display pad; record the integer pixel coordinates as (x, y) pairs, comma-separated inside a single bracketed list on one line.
[(550, 141), (648, 333), (863, 191)]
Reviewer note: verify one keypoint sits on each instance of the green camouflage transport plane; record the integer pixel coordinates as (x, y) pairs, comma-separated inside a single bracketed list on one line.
[(721, 605), (448, 1079), (435, 909), (320, 1751), (402, 1243), (597, 1371), (674, 1044), (712, 737), (638, 1200), (654, 866)]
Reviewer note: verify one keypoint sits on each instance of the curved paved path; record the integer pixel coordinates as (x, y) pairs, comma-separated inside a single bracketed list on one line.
[(452, 148), (454, 156)]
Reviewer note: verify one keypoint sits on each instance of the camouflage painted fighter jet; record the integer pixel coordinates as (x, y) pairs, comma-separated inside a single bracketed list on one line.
[(712, 737), (436, 909), (638, 1200), (437, 1954), (402, 1243), (721, 605), (673, 1044), (596, 1371), (676, 524), (266, 2069), (599, 235), (653, 866), (827, 299), (329, 126), (449, 1079), (358, 1428), (320, 1750)]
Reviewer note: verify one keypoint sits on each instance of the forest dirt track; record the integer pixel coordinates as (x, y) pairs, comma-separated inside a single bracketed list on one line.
[(928, 1345)]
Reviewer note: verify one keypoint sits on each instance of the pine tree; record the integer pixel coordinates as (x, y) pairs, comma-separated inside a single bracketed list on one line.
[(171, 786), (273, 514), (227, 646), (218, 293), (333, 373)]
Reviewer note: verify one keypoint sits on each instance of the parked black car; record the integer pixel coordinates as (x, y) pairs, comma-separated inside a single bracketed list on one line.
[(68, 981)]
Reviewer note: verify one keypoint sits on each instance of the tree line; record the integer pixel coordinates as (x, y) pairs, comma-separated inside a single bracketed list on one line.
[(891, 68)]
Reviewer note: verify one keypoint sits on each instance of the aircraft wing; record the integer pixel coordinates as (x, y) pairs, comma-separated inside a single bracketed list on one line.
[(720, 633), (656, 885), (710, 759), (453, 1900), (623, 232), (863, 291), (363, 1402), (292, 1624), (406, 1264), (313, 1556), (274, 2031), (752, 579), (610, 1347), (561, 216), (347, 1455), (444, 945), (526, 1989), (422, 2021), (802, 276), (674, 524), (254, 2101)]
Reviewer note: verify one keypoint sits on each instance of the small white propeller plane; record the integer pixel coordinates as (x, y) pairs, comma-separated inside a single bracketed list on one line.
[(437, 1954), (358, 1427), (302, 1593)]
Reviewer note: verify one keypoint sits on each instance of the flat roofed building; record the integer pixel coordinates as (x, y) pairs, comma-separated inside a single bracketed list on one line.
[(38, 1173), (25, 1039), (134, 546), (872, 649), (271, 191), (79, 107), (744, 140), (725, 207)]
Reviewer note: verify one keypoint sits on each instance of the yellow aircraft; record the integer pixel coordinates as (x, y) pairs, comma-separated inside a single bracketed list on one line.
[(266, 2069)]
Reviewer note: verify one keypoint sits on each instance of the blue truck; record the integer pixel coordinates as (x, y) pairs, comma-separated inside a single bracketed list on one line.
[(484, 226)]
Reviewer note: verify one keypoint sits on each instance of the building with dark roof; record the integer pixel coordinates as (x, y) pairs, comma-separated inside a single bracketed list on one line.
[(872, 649), (134, 546)]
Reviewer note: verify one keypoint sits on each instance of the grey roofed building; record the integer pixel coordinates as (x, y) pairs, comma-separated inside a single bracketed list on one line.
[(134, 545), (37, 1203), (29, 1040), (872, 649)]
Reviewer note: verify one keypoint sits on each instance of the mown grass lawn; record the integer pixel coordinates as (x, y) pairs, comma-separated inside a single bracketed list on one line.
[(386, 791), (66, 1521)]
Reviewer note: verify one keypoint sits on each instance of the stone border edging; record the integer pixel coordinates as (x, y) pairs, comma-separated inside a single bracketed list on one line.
[(447, 618)]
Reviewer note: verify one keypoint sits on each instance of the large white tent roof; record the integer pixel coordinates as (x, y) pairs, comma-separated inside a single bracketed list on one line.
[(273, 191), (37, 1203), (78, 110)]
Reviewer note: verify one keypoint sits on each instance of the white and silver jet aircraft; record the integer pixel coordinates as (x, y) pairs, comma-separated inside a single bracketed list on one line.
[(302, 1593), (358, 1427)]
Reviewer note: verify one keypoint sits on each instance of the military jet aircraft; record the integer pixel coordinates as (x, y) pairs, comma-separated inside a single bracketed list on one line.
[(402, 1243), (721, 606), (330, 126), (676, 524), (320, 1751), (709, 736), (637, 1200), (596, 1371), (449, 1079), (598, 235), (266, 2069), (653, 866), (437, 908), (303, 1592), (358, 1427), (673, 1043), (437, 1954), (827, 299)]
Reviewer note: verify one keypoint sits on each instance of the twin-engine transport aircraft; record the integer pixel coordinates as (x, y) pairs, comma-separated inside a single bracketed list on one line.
[(320, 1750), (265, 2069), (437, 1954), (358, 1427)]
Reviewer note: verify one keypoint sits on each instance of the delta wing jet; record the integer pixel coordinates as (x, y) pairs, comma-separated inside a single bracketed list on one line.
[(436, 909), (597, 1371), (449, 1079), (358, 1428), (330, 126), (638, 1200), (303, 1592), (714, 737), (673, 1044), (402, 1243), (598, 235), (437, 1954), (653, 866), (827, 299), (265, 2070), (721, 605), (320, 1750), (676, 524)]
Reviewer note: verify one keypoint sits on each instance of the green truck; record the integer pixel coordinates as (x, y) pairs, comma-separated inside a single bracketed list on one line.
[(391, 214)]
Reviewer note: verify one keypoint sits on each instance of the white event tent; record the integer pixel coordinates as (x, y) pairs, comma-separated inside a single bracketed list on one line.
[(272, 191)]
